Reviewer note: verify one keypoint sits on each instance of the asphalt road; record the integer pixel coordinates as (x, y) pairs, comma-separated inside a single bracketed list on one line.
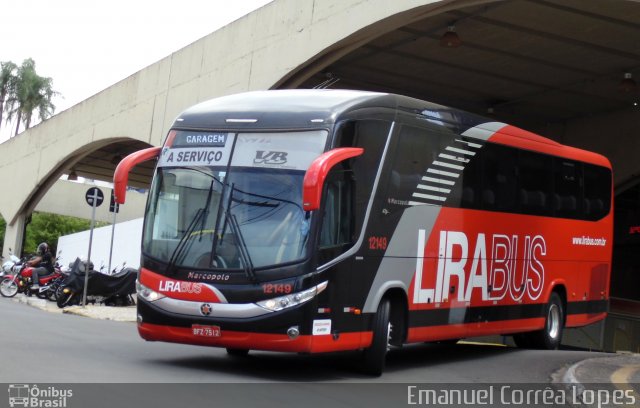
[(42, 347)]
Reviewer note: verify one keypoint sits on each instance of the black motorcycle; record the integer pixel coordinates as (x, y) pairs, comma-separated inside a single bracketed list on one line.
[(112, 290)]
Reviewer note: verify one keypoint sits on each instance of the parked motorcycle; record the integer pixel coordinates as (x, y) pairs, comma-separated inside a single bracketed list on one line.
[(22, 282), (112, 290), (11, 266)]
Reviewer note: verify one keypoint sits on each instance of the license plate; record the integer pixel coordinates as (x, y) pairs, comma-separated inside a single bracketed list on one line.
[(205, 331)]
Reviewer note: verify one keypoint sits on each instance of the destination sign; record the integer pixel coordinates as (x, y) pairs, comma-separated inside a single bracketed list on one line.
[(200, 139), (197, 149)]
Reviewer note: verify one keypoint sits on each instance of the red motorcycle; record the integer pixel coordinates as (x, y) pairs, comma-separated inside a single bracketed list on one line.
[(22, 282)]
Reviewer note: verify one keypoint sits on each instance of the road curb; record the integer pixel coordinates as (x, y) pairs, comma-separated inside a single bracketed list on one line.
[(118, 314), (597, 372)]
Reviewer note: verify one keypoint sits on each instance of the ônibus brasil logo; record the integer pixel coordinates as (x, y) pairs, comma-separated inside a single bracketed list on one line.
[(32, 396)]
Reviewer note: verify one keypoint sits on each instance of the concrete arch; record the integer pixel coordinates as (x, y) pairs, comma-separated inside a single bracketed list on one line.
[(45, 166), (334, 51), (38, 171)]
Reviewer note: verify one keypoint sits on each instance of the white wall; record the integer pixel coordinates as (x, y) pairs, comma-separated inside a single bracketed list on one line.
[(67, 198), (126, 245)]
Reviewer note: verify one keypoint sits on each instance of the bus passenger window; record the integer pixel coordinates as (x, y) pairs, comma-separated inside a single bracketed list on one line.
[(535, 183), (415, 152), (567, 177), (597, 192), (499, 178)]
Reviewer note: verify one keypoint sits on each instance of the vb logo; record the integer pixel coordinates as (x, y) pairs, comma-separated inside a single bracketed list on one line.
[(266, 157)]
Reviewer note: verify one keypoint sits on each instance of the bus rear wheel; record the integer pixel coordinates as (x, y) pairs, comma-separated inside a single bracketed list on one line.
[(550, 335), (374, 357)]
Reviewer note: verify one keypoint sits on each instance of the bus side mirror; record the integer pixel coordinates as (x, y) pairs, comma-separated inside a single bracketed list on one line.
[(121, 175), (317, 173)]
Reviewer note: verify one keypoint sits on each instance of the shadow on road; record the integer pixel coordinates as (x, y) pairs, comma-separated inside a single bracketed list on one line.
[(270, 366)]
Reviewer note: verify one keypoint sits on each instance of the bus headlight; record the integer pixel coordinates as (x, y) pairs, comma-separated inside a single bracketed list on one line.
[(146, 293), (294, 299)]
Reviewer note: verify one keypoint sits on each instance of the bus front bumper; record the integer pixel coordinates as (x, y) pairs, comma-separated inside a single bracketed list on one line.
[(278, 331)]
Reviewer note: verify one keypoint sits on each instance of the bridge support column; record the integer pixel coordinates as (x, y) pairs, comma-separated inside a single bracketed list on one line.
[(13, 236)]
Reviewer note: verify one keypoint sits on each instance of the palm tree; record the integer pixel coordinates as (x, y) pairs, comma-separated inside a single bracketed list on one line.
[(40, 96), (32, 93), (7, 84)]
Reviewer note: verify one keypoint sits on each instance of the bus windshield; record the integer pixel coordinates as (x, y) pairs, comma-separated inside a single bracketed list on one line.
[(242, 216), (258, 210)]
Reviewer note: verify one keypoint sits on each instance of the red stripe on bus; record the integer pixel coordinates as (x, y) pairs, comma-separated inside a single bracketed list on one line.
[(257, 341), (522, 139)]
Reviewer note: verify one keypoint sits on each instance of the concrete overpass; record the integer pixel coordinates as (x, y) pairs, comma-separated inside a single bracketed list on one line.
[(553, 67)]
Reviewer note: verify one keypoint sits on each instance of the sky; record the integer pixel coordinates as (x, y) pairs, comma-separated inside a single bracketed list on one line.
[(87, 46)]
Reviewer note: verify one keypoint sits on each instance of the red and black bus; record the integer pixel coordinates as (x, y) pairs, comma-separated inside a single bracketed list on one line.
[(325, 220)]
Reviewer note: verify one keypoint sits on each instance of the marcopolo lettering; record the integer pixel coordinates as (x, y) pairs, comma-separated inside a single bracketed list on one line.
[(512, 268)]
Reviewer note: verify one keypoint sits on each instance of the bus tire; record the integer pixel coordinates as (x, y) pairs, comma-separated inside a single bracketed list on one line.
[(374, 357), (550, 336), (237, 352)]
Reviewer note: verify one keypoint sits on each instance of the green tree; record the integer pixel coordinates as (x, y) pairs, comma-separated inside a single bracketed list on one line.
[(7, 84), (46, 227), (33, 93)]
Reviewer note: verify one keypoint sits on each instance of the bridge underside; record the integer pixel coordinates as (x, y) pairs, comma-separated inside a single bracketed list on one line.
[(101, 164), (530, 63)]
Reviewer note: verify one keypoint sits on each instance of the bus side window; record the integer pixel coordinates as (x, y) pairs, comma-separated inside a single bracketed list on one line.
[(597, 192), (337, 223), (499, 178), (416, 149), (535, 182), (567, 190)]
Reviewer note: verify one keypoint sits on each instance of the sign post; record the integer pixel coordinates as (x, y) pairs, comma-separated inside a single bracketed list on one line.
[(114, 208), (94, 198)]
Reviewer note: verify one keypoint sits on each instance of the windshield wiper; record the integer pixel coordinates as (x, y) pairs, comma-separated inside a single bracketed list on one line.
[(232, 221), (245, 257), (182, 243), (201, 214), (206, 208)]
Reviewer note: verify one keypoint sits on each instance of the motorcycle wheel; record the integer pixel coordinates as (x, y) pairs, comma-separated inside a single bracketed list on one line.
[(65, 299), (52, 293), (8, 287), (39, 294)]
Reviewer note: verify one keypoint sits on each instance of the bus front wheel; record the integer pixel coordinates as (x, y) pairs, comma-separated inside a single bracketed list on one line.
[(374, 357)]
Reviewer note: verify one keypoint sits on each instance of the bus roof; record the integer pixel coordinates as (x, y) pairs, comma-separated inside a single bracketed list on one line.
[(301, 108), (319, 108)]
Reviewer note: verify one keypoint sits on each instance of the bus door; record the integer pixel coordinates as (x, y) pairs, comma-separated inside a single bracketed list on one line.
[(347, 202)]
